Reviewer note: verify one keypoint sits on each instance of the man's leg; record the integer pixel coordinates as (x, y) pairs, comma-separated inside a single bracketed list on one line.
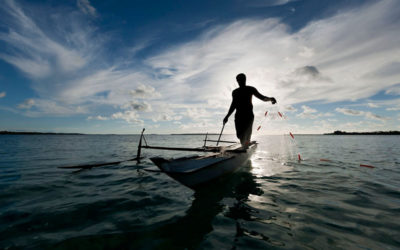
[(240, 127), (244, 128), (247, 133)]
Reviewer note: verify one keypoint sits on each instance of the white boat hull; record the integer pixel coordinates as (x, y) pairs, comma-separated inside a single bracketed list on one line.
[(195, 171)]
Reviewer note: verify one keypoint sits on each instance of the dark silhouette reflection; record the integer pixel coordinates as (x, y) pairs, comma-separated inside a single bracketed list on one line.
[(186, 232)]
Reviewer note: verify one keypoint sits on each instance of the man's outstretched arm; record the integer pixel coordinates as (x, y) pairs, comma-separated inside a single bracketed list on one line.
[(231, 109), (264, 98)]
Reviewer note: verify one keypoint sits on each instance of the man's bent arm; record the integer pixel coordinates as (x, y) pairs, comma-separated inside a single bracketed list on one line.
[(231, 109), (260, 96), (263, 98)]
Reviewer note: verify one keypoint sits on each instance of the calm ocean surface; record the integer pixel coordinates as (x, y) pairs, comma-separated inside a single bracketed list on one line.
[(273, 202)]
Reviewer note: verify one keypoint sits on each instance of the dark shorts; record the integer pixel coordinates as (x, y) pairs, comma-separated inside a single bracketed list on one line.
[(244, 126)]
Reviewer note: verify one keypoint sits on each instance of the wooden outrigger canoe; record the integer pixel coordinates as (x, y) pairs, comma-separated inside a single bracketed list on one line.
[(194, 171)]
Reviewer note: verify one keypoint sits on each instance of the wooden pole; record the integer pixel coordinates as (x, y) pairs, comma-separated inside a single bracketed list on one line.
[(223, 126), (205, 141), (139, 147), (95, 165)]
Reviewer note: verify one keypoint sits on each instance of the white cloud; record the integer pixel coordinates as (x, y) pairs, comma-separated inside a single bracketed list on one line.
[(204, 126), (86, 7), (170, 116), (310, 113), (2, 94), (27, 104), (322, 126), (308, 110), (98, 117), (198, 113), (144, 91), (395, 90), (372, 105), (393, 109), (375, 116), (138, 106), (167, 117), (351, 112), (289, 108), (128, 115)]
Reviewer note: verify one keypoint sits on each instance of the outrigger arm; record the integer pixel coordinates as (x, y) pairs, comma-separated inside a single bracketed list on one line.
[(213, 149)]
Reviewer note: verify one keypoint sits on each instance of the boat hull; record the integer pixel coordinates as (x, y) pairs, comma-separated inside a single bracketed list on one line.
[(205, 169)]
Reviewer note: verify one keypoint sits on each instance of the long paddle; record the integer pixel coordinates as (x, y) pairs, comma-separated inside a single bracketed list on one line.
[(89, 166), (223, 126)]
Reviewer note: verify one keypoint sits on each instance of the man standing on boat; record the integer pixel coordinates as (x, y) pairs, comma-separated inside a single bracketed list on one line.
[(242, 102)]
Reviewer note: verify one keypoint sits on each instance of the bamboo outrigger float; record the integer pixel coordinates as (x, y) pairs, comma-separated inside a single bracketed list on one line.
[(195, 171)]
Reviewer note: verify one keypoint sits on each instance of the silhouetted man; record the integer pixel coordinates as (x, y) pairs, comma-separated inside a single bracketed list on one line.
[(241, 101)]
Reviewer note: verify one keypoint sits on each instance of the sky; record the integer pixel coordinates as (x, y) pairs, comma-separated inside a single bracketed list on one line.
[(102, 66)]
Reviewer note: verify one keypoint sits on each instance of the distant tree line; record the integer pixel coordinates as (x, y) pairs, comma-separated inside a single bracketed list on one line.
[(338, 132)]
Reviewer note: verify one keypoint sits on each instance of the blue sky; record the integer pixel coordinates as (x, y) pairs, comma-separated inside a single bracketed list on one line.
[(117, 66)]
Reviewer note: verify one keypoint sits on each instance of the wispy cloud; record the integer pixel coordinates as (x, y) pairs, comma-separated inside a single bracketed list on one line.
[(43, 107), (2, 94), (86, 7), (33, 50), (266, 3), (393, 109), (352, 112)]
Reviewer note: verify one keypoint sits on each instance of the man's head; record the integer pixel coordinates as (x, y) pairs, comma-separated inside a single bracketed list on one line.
[(241, 79)]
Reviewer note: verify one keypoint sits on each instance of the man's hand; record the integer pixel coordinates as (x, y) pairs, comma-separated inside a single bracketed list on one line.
[(273, 100), (225, 120)]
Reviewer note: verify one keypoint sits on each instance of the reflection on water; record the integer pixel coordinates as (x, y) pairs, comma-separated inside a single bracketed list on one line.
[(190, 230), (276, 164)]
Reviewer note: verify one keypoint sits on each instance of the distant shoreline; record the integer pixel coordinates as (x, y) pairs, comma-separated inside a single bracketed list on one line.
[(338, 132), (53, 133), (35, 133)]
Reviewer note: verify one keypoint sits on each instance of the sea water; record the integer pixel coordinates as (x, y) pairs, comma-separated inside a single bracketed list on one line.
[(325, 201)]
